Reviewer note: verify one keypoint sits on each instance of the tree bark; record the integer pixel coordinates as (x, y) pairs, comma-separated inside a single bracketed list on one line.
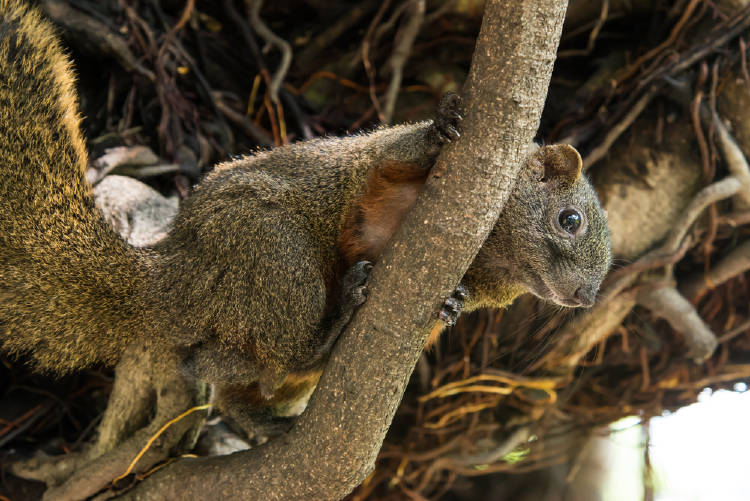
[(333, 445)]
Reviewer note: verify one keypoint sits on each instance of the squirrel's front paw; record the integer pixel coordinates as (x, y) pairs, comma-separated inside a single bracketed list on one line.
[(354, 283), (453, 306), (448, 119)]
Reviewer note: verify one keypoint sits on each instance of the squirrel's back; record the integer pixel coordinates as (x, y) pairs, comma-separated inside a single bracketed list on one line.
[(253, 264), (60, 264)]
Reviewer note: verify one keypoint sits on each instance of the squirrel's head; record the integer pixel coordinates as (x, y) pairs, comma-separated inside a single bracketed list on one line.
[(552, 237)]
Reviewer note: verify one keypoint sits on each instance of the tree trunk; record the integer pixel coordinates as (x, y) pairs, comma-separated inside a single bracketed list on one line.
[(333, 445)]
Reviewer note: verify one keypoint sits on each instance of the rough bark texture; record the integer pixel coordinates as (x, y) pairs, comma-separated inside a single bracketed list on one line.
[(334, 444)]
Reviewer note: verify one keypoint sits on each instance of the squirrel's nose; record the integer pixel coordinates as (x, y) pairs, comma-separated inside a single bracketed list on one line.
[(585, 296)]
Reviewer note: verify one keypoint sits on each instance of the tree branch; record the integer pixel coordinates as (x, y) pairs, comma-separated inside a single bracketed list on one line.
[(333, 445), (737, 261), (401, 54), (669, 304)]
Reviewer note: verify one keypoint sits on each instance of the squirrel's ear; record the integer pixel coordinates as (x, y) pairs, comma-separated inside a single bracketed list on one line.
[(560, 161)]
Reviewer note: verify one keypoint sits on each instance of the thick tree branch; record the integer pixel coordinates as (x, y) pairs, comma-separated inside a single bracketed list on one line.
[(334, 444), (669, 304), (737, 261)]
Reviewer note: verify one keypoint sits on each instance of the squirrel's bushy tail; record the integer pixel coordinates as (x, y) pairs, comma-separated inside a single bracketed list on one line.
[(71, 291)]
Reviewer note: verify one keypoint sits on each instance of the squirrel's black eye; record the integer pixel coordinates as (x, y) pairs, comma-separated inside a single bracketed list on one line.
[(570, 220)]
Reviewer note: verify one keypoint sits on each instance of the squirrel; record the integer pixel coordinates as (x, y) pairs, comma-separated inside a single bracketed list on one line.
[(267, 258)]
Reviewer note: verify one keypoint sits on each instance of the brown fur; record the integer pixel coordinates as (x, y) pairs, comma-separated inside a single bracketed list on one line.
[(435, 333), (243, 283), (65, 277), (294, 386), (390, 191)]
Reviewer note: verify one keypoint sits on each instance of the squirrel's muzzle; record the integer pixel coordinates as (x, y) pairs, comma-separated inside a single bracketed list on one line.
[(585, 296)]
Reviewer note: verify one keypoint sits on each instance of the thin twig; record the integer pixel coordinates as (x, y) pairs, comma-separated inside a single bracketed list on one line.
[(401, 54), (248, 127), (735, 219), (367, 44), (736, 162), (354, 13), (735, 262), (632, 68), (29, 418), (695, 106), (603, 14), (270, 37), (743, 327), (517, 438), (99, 33), (391, 22), (157, 435), (440, 11), (700, 50), (615, 281), (601, 150)]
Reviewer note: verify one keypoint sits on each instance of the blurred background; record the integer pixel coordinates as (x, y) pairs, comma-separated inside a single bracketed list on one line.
[(530, 403)]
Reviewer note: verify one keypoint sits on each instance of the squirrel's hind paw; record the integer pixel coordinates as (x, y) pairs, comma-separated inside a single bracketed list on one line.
[(354, 283), (453, 306)]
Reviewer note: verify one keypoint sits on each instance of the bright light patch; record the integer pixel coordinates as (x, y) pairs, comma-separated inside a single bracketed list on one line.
[(699, 453)]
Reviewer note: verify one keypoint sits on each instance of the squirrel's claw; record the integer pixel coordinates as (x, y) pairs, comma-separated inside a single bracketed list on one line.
[(447, 122), (448, 133), (461, 293)]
